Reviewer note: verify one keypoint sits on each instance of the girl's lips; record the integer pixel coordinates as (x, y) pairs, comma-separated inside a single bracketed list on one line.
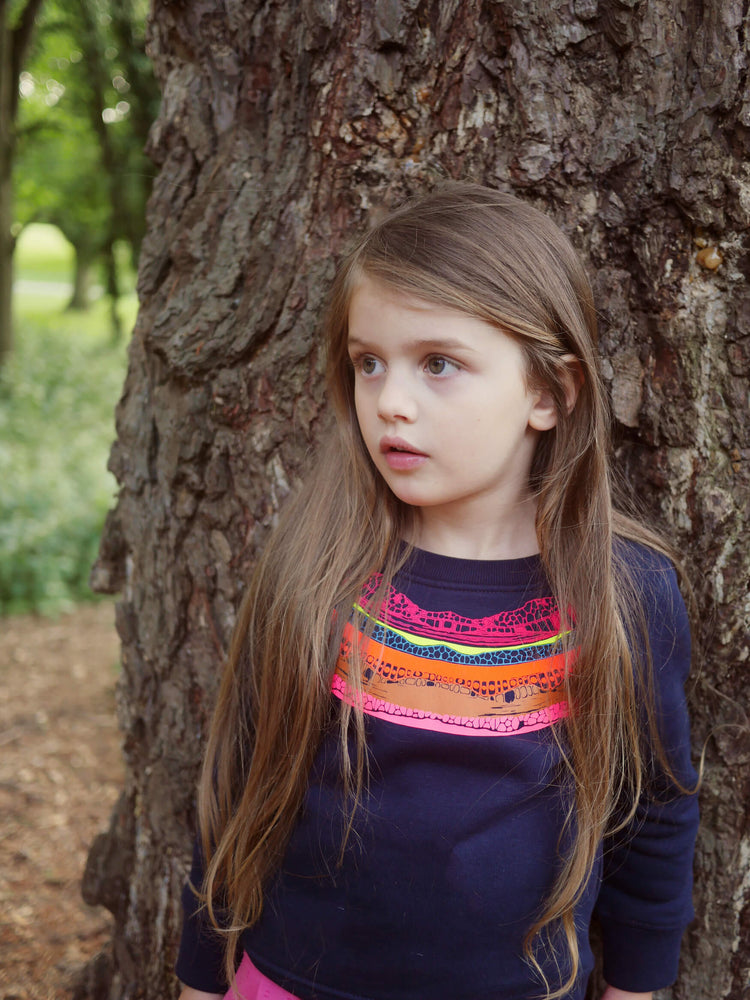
[(400, 455)]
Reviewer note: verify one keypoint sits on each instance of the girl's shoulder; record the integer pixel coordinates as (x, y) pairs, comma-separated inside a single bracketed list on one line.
[(649, 588), (648, 569)]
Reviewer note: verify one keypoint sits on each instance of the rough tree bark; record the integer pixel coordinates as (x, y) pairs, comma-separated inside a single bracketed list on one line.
[(284, 128)]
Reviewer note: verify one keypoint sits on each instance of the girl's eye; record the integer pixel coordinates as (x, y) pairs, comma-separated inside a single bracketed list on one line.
[(367, 365), (438, 365)]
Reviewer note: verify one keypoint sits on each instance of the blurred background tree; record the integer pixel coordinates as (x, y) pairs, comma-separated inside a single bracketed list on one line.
[(16, 28), (88, 97)]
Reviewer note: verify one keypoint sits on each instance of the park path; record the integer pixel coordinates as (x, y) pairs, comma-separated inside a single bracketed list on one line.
[(30, 286)]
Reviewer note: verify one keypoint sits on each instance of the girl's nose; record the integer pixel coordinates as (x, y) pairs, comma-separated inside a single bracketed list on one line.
[(396, 401)]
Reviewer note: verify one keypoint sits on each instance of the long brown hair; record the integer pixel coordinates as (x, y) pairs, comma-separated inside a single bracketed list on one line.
[(487, 254)]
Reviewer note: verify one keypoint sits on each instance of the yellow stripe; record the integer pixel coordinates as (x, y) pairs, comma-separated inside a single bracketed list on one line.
[(418, 640)]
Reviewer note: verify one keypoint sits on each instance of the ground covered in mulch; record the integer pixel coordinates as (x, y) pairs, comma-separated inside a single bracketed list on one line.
[(60, 774)]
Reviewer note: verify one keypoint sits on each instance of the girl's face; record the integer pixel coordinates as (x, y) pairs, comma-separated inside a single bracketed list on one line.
[(448, 419)]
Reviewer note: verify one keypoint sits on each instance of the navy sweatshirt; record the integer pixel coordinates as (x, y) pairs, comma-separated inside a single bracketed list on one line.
[(458, 841)]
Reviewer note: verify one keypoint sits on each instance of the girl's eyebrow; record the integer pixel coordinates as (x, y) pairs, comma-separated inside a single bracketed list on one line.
[(436, 344), (440, 344)]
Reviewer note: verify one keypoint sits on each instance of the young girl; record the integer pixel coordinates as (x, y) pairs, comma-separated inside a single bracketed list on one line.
[(452, 727)]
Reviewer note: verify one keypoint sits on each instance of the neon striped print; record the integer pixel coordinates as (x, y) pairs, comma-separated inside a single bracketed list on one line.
[(495, 676)]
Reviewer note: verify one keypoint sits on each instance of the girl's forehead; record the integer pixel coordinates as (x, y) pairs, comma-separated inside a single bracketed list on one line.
[(383, 317), (374, 291)]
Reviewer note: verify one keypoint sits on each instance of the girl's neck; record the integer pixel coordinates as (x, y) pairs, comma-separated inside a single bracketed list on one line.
[(510, 537)]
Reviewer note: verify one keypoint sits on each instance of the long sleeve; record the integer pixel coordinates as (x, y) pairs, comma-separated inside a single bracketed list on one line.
[(645, 902), (200, 961)]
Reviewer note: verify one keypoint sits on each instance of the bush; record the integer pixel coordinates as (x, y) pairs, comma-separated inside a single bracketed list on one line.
[(57, 394)]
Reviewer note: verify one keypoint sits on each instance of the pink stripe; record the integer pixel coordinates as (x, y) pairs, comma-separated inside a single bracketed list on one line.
[(251, 984), (479, 725), (536, 620)]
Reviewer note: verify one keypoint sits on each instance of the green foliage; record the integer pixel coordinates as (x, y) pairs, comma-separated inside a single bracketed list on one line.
[(88, 97), (56, 426), (13, 11)]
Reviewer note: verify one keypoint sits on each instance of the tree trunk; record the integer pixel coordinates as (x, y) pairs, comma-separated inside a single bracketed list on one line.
[(84, 258), (98, 79), (7, 244), (16, 28), (6, 188), (113, 289), (284, 128)]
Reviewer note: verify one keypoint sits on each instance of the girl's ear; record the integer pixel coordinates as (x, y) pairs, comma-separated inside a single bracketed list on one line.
[(544, 413)]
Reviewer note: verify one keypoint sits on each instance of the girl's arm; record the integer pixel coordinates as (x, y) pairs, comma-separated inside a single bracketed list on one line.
[(644, 902), (200, 960)]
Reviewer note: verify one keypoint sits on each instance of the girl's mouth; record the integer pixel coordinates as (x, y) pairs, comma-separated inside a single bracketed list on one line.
[(400, 455)]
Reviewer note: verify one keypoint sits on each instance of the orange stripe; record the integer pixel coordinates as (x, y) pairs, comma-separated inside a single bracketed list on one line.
[(547, 673), (460, 701)]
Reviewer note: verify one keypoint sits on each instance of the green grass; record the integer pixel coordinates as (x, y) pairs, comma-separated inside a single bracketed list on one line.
[(57, 394)]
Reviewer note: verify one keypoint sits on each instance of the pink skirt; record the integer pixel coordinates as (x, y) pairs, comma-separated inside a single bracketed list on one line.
[(251, 984)]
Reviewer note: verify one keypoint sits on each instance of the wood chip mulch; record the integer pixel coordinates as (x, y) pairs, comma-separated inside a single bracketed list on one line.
[(60, 774)]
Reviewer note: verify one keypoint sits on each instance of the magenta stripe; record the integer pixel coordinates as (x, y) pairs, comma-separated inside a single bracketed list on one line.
[(480, 725), (535, 621)]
